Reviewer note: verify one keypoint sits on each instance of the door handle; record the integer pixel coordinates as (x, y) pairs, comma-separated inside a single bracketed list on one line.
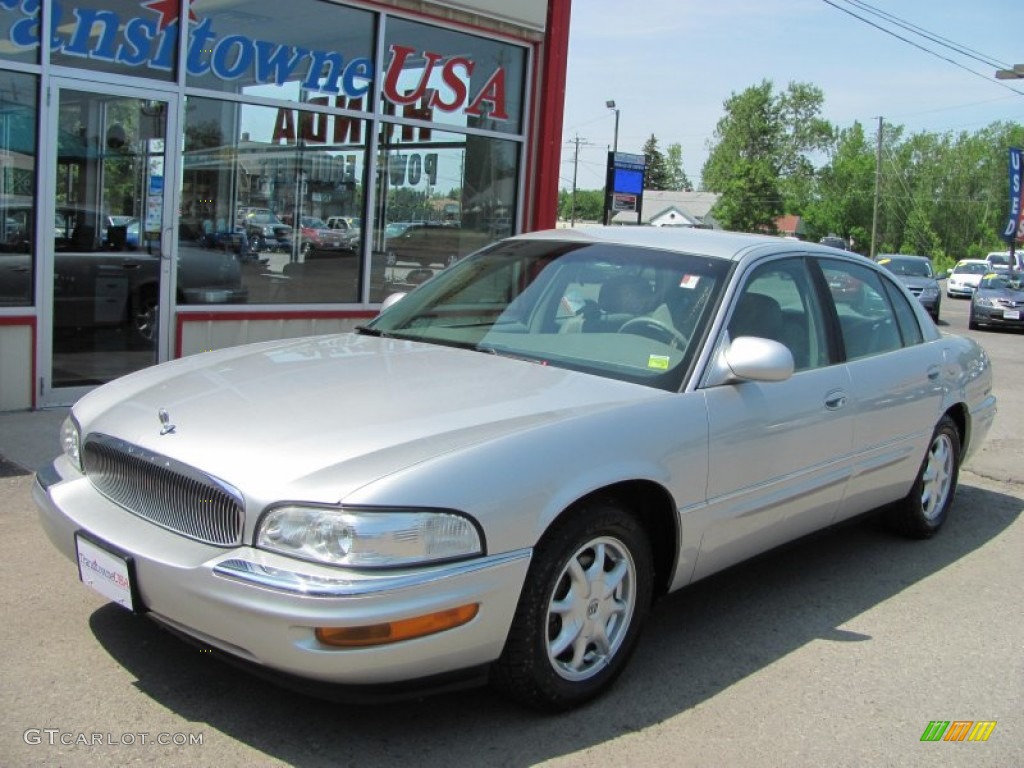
[(933, 372), (835, 400)]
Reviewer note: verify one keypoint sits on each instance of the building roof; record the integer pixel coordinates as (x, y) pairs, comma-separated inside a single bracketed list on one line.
[(695, 206)]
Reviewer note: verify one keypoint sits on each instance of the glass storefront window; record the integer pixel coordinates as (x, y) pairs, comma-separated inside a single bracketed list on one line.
[(303, 50), (19, 31), (452, 78), (439, 196), (123, 37), (282, 190), (18, 110)]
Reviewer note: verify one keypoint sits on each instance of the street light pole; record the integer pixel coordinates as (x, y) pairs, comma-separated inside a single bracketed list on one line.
[(611, 105), (615, 148)]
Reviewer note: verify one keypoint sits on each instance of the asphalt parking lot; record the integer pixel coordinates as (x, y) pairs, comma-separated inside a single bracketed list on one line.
[(838, 650)]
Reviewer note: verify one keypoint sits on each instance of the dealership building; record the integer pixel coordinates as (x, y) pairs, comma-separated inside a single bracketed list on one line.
[(180, 176)]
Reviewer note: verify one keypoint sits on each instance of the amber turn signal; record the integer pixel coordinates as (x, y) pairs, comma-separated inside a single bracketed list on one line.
[(395, 631)]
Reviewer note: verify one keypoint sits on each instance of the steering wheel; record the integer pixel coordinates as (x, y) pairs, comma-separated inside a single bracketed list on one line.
[(651, 328)]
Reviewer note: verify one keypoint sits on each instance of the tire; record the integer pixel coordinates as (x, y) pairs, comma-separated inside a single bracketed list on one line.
[(972, 324), (145, 312), (922, 513), (551, 664)]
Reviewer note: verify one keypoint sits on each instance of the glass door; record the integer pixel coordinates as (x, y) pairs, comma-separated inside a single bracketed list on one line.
[(105, 237)]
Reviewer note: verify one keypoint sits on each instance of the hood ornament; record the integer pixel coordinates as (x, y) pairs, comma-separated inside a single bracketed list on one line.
[(165, 420)]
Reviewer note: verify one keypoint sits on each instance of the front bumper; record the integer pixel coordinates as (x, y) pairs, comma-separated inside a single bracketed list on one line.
[(958, 290), (262, 608), (997, 316)]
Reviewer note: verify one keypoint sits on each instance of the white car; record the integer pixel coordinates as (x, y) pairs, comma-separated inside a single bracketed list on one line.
[(496, 477), (964, 279)]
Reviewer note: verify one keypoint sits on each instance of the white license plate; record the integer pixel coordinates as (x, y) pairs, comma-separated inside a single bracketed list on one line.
[(107, 573), (1011, 314)]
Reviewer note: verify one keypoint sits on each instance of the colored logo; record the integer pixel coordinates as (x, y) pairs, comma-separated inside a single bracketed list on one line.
[(958, 730)]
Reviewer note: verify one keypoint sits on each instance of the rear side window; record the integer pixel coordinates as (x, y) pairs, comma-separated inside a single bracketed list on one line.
[(866, 315), (906, 319)]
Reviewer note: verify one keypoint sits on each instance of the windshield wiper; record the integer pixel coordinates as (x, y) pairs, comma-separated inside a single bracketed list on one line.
[(366, 330)]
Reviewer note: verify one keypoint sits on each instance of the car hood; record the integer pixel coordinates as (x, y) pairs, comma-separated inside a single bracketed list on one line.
[(917, 282), (329, 414)]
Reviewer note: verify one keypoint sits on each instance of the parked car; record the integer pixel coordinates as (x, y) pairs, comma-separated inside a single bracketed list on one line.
[(266, 232), (430, 243), (532, 446), (316, 238), (350, 228), (965, 277), (105, 276), (917, 274), (998, 301), (998, 260)]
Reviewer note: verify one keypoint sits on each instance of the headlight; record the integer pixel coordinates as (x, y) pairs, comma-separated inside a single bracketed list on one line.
[(362, 538), (71, 442), (983, 301), (930, 291)]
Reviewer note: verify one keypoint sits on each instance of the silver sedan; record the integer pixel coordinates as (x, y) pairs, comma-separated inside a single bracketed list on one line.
[(497, 477)]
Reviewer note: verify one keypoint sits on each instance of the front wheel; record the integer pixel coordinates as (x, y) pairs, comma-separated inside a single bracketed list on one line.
[(585, 599), (922, 513)]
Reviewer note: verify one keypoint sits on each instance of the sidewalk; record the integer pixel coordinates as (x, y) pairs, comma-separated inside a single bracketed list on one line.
[(29, 439)]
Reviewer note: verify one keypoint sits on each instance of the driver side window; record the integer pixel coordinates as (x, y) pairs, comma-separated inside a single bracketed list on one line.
[(778, 302)]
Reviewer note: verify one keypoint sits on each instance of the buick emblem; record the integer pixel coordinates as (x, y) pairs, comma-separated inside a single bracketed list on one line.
[(165, 420)]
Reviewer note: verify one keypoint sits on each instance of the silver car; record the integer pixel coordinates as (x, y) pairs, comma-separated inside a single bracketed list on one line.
[(497, 476)]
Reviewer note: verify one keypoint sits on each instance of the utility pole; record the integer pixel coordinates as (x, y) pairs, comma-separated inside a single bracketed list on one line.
[(878, 184), (575, 167)]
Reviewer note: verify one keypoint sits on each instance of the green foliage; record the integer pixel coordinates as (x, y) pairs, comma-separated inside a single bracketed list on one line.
[(589, 205), (658, 176), (677, 178), (940, 195)]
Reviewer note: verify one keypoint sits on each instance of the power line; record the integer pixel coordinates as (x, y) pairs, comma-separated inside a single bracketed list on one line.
[(935, 38), (922, 48)]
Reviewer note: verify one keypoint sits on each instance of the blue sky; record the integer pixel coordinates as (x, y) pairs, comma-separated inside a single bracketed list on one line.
[(670, 64)]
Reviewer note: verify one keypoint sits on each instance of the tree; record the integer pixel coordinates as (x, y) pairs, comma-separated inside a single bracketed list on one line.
[(843, 193), (760, 160), (657, 169), (677, 178), (589, 205)]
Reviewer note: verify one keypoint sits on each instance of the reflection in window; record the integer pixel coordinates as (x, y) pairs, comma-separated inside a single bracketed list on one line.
[(439, 196), (123, 37), (866, 318), (18, 111), (305, 50), (452, 78), (19, 29), (282, 190)]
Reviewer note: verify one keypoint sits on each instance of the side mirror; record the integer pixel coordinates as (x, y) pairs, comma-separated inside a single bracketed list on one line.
[(394, 298), (942, 275), (752, 358)]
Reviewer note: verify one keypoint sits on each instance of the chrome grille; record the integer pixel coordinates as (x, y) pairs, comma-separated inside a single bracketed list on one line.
[(173, 495)]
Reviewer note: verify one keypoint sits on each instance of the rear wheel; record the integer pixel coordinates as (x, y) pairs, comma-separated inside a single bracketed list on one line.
[(923, 512), (585, 599)]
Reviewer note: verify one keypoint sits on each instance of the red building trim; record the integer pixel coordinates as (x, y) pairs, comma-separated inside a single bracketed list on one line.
[(30, 321), (550, 105)]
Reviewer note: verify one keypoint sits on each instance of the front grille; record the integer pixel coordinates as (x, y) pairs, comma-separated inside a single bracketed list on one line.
[(173, 495)]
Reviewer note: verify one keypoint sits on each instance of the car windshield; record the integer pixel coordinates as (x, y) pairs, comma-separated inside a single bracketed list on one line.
[(979, 268), (907, 267), (626, 313), (312, 222), (395, 228), (1003, 281)]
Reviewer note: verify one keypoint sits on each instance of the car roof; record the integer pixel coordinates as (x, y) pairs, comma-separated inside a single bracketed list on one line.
[(972, 261), (915, 257), (733, 246)]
